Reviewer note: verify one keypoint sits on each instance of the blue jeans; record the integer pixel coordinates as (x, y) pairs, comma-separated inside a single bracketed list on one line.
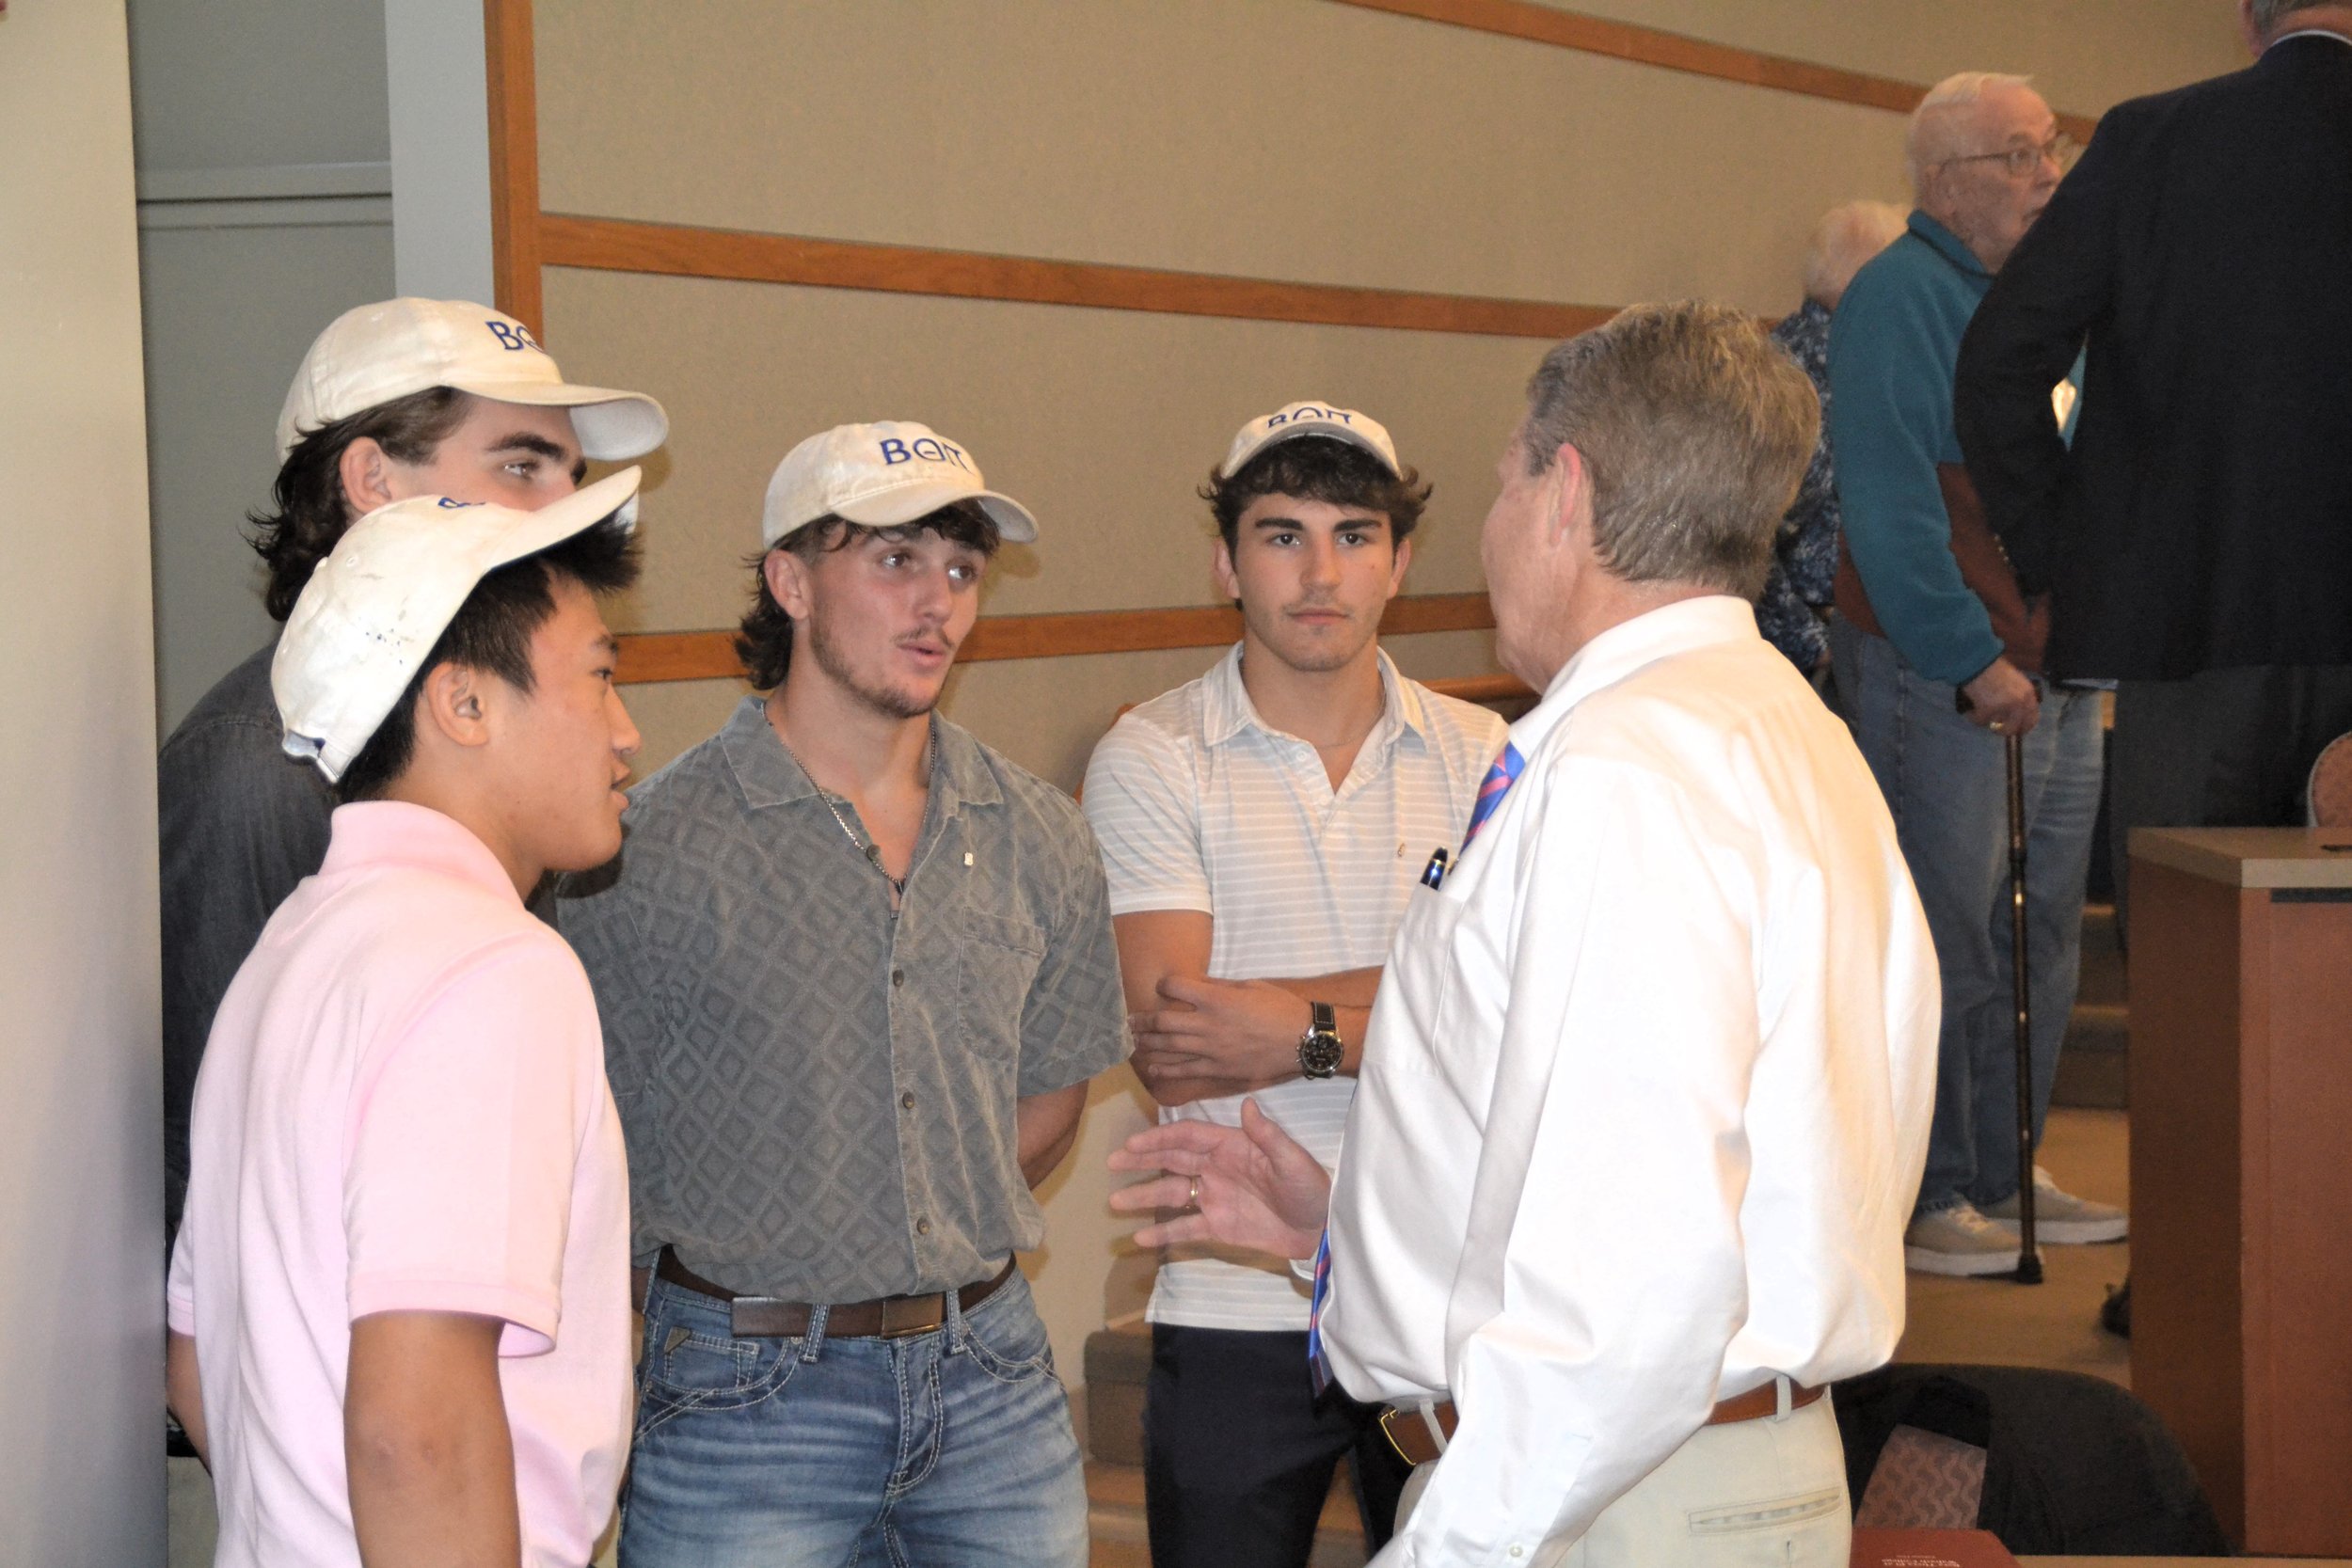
[(1945, 781), (948, 1448)]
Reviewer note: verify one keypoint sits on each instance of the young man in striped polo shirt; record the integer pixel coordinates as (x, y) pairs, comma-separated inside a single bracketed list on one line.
[(1261, 827)]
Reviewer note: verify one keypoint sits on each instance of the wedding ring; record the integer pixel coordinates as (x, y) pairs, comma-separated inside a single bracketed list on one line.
[(1192, 1198)]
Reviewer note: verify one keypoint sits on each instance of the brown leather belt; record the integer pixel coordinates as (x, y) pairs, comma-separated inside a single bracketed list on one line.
[(1408, 1432), (884, 1318)]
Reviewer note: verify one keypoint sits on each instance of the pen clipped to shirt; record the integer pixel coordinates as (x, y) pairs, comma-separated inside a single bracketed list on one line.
[(1433, 875)]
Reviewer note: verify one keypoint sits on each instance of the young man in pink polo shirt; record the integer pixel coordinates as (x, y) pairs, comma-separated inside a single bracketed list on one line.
[(399, 1298)]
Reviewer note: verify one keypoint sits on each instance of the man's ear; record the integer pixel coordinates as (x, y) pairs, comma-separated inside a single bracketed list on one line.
[(1571, 512), (788, 578), (365, 470), (1221, 568), (456, 702)]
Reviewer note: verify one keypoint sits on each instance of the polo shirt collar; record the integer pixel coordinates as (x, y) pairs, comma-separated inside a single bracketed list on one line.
[(768, 776), (1683, 627), (1227, 710), (383, 833), (1947, 244)]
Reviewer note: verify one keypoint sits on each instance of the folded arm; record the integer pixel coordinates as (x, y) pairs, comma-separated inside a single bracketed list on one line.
[(1199, 1038)]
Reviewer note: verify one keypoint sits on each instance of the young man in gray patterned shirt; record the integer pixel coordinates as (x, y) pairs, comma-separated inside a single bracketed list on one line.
[(855, 970)]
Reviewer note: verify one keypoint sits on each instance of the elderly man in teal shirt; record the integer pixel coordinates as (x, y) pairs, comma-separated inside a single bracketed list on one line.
[(1937, 657)]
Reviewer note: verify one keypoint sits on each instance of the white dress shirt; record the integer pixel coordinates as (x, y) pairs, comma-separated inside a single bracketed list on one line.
[(1645, 1101), (1197, 805)]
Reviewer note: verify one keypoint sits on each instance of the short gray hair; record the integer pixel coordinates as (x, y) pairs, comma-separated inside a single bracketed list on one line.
[(1933, 135), (1847, 235), (2268, 14), (1694, 428)]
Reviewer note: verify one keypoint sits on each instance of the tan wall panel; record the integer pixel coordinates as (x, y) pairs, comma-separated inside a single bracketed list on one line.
[(2086, 56), (1277, 138), (1104, 421)]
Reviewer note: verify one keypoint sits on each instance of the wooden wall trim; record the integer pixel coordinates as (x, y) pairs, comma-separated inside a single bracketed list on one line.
[(611, 245), (694, 655), (513, 81), (1652, 47)]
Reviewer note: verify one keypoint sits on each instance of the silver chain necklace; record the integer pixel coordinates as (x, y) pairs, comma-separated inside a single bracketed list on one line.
[(872, 852)]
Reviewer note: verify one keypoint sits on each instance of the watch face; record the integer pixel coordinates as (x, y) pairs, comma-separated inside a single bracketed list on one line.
[(1320, 1054)]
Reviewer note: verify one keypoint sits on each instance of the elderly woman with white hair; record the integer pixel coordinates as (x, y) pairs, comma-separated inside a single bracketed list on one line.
[(1805, 556)]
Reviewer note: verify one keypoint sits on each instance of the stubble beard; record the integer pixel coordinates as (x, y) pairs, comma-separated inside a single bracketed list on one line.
[(891, 702)]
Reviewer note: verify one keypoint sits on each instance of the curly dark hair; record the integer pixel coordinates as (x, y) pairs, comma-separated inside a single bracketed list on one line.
[(492, 632), (764, 643), (311, 512), (1319, 468)]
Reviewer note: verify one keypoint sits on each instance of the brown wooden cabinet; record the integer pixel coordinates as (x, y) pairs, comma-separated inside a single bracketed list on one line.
[(2241, 1106)]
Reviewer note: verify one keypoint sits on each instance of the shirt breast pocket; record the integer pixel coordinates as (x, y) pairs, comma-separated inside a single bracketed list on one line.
[(999, 958), (1416, 1003)]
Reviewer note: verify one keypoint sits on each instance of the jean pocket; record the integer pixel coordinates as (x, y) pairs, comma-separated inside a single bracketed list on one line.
[(685, 1368), (686, 1361), (1769, 1514), (1011, 1347)]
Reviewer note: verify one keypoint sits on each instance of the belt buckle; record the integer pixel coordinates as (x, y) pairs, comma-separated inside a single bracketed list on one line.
[(1387, 1415), (929, 1322)]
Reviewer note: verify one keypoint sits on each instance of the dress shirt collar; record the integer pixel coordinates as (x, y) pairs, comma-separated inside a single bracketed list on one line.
[(768, 776), (384, 834), (1947, 244), (1226, 709), (1680, 627), (2308, 33)]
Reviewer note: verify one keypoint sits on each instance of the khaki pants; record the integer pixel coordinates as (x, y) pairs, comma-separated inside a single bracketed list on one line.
[(1768, 1491)]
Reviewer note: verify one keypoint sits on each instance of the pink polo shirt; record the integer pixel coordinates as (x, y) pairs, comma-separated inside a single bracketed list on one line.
[(402, 1107)]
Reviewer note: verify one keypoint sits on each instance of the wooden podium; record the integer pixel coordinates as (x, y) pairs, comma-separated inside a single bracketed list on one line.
[(2241, 1107)]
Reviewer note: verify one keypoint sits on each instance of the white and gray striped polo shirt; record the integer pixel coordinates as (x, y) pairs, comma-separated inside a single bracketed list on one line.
[(1198, 805)]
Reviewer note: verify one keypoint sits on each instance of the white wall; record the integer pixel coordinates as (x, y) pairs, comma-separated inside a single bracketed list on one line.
[(265, 210), (437, 81), (81, 1171)]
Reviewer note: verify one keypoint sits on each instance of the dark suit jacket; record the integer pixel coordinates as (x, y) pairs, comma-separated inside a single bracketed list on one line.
[(2203, 246)]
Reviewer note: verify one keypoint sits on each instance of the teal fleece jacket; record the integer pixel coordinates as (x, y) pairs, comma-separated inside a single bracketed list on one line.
[(1893, 345)]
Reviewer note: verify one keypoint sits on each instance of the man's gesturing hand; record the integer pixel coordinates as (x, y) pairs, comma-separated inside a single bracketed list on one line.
[(1220, 1036), (1258, 1188)]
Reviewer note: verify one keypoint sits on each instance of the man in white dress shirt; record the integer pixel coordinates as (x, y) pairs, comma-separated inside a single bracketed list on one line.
[(1262, 828), (1646, 1090)]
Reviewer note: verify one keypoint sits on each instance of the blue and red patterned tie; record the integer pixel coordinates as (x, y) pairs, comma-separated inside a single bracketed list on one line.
[(1498, 783), (1318, 1365)]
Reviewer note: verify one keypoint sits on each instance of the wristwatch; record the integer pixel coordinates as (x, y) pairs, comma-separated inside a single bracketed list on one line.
[(1320, 1052)]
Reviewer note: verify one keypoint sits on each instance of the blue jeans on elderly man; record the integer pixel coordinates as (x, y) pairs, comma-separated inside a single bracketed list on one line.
[(1945, 782)]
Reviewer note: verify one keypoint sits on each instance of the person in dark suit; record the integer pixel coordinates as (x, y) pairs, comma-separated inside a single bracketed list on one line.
[(2198, 538)]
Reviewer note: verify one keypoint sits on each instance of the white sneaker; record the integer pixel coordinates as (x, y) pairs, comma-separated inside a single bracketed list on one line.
[(1959, 1240), (2061, 1217)]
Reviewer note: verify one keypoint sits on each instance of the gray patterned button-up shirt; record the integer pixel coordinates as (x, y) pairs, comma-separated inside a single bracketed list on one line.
[(819, 1099)]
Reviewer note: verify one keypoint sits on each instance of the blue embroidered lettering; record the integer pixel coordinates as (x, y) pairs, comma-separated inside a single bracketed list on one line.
[(928, 450), (895, 451)]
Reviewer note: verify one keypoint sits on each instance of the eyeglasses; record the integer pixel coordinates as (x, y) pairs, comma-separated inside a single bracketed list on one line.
[(2021, 162)]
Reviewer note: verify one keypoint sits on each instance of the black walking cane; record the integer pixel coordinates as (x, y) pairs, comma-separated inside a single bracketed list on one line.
[(2028, 1257)]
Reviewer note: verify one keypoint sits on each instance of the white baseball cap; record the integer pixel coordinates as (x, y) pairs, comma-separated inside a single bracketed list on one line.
[(881, 476), (375, 605), (1311, 419), (376, 352)]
